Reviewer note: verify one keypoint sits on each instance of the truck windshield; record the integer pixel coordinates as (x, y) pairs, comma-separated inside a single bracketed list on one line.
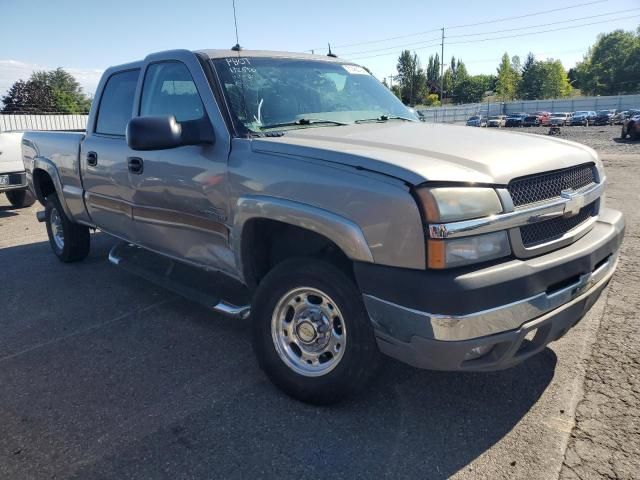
[(280, 93)]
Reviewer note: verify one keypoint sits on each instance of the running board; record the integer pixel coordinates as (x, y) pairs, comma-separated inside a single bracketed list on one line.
[(206, 288)]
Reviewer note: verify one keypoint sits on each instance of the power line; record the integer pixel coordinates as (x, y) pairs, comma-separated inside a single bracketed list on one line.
[(393, 47), (544, 31), (497, 20), (533, 14), (351, 54), (512, 36), (544, 24)]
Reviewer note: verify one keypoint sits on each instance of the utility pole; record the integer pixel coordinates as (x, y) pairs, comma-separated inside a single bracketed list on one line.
[(441, 65)]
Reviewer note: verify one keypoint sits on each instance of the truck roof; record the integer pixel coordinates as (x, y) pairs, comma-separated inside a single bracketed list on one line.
[(216, 53)]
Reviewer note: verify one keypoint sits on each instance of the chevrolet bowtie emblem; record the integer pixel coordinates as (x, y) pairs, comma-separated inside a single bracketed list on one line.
[(575, 202)]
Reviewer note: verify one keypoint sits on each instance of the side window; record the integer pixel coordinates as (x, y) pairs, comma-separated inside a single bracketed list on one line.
[(116, 103), (169, 89)]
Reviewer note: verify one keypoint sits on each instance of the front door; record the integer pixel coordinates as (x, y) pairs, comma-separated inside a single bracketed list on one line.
[(104, 154), (180, 194)]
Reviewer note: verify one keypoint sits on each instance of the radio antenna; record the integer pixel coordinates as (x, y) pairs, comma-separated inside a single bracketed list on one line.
[(235, 22)]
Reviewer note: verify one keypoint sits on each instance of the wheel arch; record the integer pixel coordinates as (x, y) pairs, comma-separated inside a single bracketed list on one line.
[(46, 180), (300, 229)]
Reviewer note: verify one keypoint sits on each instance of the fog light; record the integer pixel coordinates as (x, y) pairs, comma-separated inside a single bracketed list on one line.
[(477, 352)]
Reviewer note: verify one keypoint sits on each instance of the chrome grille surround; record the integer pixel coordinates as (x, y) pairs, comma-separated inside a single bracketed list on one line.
[(553, 229)]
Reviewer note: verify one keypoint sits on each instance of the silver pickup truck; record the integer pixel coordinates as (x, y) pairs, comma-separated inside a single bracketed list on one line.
[(298, 189)]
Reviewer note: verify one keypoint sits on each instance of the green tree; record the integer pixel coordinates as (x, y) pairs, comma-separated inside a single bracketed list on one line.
[(507, 79), (411, 78), (471, 89), (530, 86), (32, 96), (611, 65), (53, 91), (555, 82), (433, 69)]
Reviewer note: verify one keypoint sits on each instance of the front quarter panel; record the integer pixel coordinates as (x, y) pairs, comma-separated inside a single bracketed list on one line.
[(379, 207)]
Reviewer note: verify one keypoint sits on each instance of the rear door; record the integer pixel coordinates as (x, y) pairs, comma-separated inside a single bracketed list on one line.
[(180, 194), (104, 156)]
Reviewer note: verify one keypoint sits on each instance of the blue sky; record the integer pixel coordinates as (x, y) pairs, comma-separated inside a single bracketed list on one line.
[(87, 36)]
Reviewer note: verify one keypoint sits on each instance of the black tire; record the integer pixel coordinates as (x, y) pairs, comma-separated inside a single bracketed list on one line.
[(20, 198), (623, 133), (360, 357), (634, 134), (75, 238)]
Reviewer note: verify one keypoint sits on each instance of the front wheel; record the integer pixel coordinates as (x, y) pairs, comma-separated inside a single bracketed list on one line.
[(69, 241), (311, 333), (20, 198)]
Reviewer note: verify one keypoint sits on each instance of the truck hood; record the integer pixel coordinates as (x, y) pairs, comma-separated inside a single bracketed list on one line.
[(420, 152)]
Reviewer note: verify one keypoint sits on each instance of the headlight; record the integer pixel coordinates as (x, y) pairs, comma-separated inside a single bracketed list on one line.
[(453, 204), (463, 251)]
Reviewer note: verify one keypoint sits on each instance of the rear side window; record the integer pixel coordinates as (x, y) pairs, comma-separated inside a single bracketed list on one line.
[(169, 89), (116, 103)]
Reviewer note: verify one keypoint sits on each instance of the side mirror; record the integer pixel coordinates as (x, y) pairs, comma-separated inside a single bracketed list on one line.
[(162, 132)]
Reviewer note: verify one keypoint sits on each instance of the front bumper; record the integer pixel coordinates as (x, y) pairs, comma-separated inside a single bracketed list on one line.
[(17, 181), (495, 306)]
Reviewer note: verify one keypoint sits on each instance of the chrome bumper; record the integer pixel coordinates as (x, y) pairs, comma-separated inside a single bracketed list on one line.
[(495, 320)]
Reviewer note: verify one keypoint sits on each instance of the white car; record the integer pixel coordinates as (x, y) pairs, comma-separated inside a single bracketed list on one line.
[(13, 181)]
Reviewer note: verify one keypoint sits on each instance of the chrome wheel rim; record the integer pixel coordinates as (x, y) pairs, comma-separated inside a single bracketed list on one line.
[(56, 228), (308, 331)]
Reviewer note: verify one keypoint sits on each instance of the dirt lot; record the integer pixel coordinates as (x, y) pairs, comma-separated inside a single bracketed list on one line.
[(105, 376)]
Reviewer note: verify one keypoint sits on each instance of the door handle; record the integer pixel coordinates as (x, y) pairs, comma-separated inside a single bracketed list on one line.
[(92, 159), (136, 165)]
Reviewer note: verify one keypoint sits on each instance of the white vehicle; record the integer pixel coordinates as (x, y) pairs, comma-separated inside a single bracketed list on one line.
[(13, 180)]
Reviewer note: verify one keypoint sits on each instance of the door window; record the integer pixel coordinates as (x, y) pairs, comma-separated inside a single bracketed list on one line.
[(116, 104), (169, 89)]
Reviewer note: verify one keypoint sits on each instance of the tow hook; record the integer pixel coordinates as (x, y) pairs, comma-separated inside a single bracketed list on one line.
[(41, 216)]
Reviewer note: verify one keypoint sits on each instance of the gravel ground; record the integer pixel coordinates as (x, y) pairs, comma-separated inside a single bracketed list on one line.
[(605, 442), (606, 140)]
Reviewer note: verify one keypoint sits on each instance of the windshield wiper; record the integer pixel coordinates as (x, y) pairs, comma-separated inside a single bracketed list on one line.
[(384, 118), (303, 122)]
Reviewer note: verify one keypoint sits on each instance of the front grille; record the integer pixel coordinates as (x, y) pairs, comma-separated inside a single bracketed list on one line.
[(547, 186), (549, 230)]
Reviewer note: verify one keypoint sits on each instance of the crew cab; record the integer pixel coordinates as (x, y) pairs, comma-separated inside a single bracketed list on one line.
[(346, 227)]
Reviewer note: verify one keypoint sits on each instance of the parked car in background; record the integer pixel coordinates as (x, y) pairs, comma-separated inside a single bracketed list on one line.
[(543, 117), (631, 126), (622, 116), (584, 118), (13, 180), (477, 121), (559, 119), (515, 119), (531, 121), (604, 117), (442, 250), (497, 121), (619, 117)]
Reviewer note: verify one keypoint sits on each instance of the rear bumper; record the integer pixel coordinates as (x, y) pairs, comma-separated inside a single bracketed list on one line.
[(492, 308), (17, 181)]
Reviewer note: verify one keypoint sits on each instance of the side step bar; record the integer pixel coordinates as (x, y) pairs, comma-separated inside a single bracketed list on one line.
[(197, 285)]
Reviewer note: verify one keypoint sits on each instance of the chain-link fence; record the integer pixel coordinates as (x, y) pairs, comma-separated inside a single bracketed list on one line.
[(459, 113)]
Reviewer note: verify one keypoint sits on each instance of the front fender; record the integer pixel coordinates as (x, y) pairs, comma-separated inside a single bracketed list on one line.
[(341, 231)]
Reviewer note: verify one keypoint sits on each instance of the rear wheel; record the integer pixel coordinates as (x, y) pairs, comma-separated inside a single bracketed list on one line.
[(20, 198), (311, 333), (69, 241), (634, 131)]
